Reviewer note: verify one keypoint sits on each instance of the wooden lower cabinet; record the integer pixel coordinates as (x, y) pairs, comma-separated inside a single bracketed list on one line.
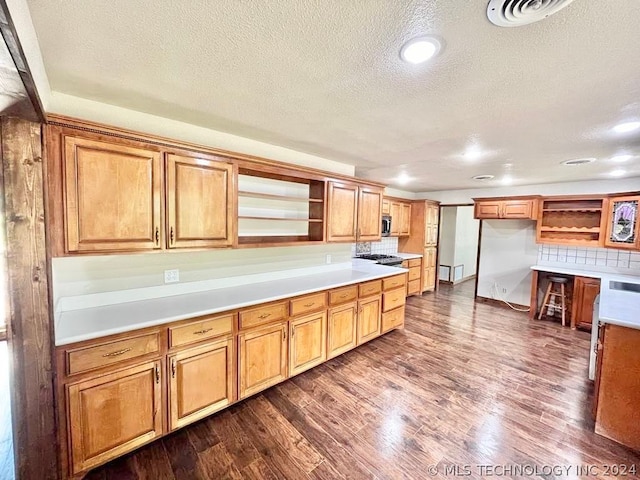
[(262, 358), (369, 318), (113, 414), (429, 269), (585, 291), (307, 342), (392, 319), (200, 382), (341, 329)]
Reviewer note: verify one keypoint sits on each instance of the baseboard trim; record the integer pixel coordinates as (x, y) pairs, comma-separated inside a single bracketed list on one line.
[(499, 303)]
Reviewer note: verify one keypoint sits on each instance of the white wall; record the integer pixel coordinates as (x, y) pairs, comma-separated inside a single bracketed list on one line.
[(466, 240), (568, 188), (508, 250), (447, 241)]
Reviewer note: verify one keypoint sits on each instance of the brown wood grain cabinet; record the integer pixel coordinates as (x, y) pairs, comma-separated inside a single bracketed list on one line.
[(200, 202), (400, 211), (525, 208), (353, 212), (585, 290), (621, 220), (430, 266), (369, 319), (405, 220), (307, 342), (113, 196), (618, 390), (262, 358), (113, 414), (200, 381), (395, 219), (341, 329)]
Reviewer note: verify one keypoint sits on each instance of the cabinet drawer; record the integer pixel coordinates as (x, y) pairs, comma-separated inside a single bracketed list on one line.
[(308, 303), (263, 314), (413, 287), (394, 282), (201, 329), (415, 262), (414, 273), (393, 299), (343, 295), (392, 319), (370, 288), (102, 355)]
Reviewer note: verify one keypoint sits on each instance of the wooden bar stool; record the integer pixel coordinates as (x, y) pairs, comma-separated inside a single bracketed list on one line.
[(555, 289)]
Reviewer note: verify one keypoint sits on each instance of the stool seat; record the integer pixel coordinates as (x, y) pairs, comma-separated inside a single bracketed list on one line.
[(552, 293)]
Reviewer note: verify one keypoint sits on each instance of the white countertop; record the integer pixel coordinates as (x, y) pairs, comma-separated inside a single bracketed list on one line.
[(618, 307), (88, 323), (407, 256)]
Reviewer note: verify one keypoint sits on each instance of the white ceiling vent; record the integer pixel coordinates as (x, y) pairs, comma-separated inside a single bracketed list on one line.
[(515, 13)]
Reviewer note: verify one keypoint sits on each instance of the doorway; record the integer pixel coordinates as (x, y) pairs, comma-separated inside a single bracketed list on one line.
[(458, 248)]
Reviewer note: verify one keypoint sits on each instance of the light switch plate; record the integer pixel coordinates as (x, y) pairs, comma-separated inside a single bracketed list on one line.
[(171, 276)]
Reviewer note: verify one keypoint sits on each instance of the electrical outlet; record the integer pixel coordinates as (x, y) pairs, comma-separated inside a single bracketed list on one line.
[(327, 258), (171, 276)]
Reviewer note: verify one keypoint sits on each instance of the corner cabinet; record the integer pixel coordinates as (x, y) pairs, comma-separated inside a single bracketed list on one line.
[(200, 202), (622, 225), (113, 196), (353, 212)]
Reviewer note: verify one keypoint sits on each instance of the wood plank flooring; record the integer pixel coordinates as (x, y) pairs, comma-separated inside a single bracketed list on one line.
[(464, 385)]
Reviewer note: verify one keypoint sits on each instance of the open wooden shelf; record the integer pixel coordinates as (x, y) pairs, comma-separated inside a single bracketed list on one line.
[(571, 221), (571, 229), (572, 209), (270, 196), (283, 219)]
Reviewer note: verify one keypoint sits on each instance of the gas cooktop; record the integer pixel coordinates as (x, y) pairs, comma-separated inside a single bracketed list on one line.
[(382, 259)]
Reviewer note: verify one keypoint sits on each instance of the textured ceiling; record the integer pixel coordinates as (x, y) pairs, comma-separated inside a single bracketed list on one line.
[(324, 77)]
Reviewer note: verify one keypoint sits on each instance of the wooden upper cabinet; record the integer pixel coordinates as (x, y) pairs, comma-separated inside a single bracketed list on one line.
[(516, 208), (432, 220), (369, 214), (200, 202), (112, 196), (342, 208), (405, 220), (200, 382), (395, 219), (622, 225), (113, 414)]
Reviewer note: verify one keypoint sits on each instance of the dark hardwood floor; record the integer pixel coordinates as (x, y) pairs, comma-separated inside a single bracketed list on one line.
[(463, 386)]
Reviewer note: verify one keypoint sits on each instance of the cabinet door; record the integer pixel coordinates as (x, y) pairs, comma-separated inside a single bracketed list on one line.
[(341, 330), (308, 342), (113, 414), (200, 382), (342, 212), (584, 294), (369, 213), (396, 213), (429, 272), (517, 209), (263, 358), (369, 319), (200, 198), (432, 217), (487, 210), (112, 197), (405, 219), (386, 207), (623, 228)]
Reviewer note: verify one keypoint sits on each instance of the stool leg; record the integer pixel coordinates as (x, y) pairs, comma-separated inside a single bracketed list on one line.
[(546, 299), (564, 307)]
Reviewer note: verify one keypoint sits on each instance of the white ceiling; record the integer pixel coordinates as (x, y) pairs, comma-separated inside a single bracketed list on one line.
[(324, 77)]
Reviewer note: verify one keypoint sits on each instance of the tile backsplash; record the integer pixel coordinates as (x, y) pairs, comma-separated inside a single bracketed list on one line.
[(586, 258), (388, 246)]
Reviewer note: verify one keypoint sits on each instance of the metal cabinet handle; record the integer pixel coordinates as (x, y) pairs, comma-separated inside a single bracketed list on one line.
[(203, 331), (344, 295), (173, 368), (157, 235), (264, 315), (157, 374), (284, 335), (171, 235), (117, 353), (309, 304)]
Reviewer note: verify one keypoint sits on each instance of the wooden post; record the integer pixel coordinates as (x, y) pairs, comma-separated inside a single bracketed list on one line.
[(30, 330)]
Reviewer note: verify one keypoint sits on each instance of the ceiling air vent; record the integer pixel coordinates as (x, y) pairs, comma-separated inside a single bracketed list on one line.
[(515, 13), (578, 161), (482, 177)]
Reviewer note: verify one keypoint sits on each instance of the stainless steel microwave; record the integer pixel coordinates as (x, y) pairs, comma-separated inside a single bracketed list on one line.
[(386, 225)]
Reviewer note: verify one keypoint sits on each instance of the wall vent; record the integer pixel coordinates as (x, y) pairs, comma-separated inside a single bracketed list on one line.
[(515, 13)]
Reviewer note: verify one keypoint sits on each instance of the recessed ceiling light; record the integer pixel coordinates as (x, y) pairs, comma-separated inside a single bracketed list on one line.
[(618, 173), (473, 152), (482, 177), (626, 127), (419, 49), (507, 180), (578, 161), (403, 179), (621, 158)]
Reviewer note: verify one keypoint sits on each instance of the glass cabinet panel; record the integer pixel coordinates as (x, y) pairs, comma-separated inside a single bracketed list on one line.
[(623, 222)]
